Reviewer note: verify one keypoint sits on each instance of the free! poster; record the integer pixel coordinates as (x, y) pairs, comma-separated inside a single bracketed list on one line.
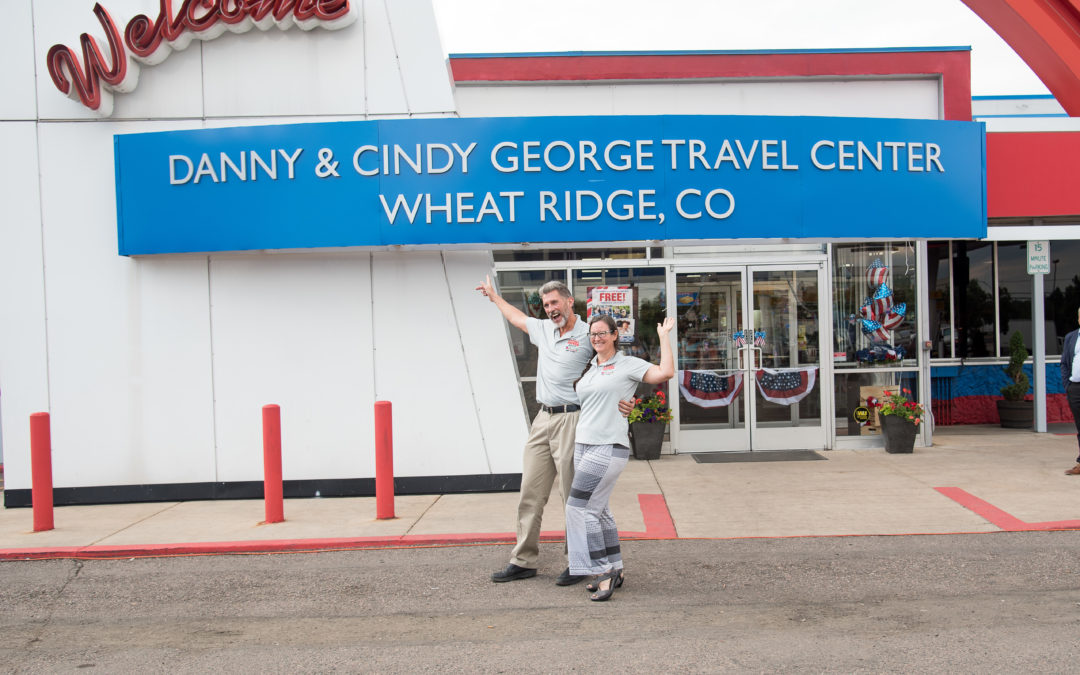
[(618, 302)]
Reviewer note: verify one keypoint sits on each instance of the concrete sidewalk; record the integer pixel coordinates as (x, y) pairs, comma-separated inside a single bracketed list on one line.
[(974, 479)]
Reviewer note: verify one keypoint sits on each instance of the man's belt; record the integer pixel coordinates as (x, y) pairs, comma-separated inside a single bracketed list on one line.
[(555, 409)]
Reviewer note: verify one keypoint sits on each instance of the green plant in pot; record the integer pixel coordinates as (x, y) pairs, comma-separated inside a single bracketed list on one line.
[(1014, 411), (648, 420), (900, 419)]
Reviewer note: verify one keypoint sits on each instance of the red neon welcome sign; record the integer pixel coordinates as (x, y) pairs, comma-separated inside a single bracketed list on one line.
[(151, 41)]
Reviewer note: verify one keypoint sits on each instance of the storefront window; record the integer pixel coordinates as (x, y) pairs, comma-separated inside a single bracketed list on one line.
[(644, 291), (1014, 294), (561, 254), (941, 334), (875, 305), (785, 306), (1062, 293), (709, 310), (973, 298), (522, 290), (979, 331), (635, 298), (853, 391)]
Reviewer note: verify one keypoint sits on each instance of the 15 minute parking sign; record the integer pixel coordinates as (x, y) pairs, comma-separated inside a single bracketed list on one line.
[(1038, 257)]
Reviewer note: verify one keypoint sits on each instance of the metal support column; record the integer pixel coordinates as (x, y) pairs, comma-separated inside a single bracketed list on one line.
[(1038, 350), (922, 290)]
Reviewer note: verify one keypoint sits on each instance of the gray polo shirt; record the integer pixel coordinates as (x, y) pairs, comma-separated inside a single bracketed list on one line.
[(600, 390), (561, 360)]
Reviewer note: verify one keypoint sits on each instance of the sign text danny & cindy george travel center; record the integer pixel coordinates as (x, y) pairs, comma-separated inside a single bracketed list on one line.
[(557, 179)]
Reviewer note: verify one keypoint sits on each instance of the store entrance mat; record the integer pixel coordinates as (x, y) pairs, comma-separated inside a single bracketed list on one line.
[(773, 456)]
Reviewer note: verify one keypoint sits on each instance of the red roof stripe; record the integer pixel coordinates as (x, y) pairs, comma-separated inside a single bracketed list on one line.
[(953, 67)]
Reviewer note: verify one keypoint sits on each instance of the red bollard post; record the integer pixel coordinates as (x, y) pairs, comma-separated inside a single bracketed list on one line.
[(41, 485), (272, 487), (384, 461)]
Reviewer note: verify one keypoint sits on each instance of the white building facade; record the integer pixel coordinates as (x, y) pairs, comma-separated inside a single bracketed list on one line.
[(154, 357)]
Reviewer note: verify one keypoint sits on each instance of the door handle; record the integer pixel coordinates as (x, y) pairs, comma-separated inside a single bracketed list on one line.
[(743, 351)]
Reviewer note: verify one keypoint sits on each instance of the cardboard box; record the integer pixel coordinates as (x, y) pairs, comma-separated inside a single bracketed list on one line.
[(873, 426)]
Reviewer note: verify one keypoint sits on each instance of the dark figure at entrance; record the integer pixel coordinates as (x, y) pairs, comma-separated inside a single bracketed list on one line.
[(1070, 378)]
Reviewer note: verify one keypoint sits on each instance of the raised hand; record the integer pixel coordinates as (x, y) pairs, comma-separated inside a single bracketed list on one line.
[(486, 289)]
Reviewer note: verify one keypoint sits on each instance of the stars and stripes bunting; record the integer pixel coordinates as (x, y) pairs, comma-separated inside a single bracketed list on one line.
[(710, 388), (786, 387)]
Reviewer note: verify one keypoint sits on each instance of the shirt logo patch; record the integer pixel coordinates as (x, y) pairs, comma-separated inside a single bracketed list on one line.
[(607, 370)]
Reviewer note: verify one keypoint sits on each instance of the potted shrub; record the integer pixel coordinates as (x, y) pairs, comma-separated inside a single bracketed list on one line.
[(1013, 411), (648, 420), (900, 419)]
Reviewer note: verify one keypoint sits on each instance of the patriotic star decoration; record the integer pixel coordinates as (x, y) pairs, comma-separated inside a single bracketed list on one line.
[(708, 383), (876, 273), (782, 381), (895, 316), (882, 301), (875, 330), (867, 309)]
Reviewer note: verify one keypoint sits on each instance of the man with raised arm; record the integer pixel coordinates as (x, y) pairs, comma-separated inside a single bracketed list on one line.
[(564, 350)]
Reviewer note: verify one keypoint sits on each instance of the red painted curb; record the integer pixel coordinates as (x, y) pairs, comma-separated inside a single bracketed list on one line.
[(658, 522), (240, 547), (1000, 518), (658, 525)]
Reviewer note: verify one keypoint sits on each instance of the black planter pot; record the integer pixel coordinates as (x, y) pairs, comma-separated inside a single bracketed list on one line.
[(646, 439), (899, 434), (1016, 414)]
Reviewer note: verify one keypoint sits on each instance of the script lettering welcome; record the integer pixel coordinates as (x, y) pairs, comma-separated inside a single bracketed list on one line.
[(150, 41)]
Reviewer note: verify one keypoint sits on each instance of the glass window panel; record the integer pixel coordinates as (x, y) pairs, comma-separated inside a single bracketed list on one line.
[(973, 298), (528, 391), (531, 255), (522, 290), (875, 309), (785, 316), (637, 320), (1014, 294), (1062, 293), (608, 254), (709, 312), (559, 254), (903, 277), (937, 261), (852, 390)]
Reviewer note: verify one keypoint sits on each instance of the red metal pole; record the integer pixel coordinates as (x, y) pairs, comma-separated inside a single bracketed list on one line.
[(384, 461), (272, 487), (41, 485)]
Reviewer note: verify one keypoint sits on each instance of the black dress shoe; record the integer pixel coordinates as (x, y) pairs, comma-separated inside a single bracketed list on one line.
[(512, 573), (567, 579)]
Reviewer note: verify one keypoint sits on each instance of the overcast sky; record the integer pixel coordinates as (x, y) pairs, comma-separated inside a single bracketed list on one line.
[(471, 26)]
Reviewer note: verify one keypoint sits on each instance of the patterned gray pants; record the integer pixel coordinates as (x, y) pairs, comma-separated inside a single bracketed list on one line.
[(592, 540)]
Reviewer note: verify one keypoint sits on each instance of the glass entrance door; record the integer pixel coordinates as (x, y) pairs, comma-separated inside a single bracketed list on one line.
[(749, 357)]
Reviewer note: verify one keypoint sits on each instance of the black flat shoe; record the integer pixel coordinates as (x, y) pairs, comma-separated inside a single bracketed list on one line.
[(591, 586), (603, 594), (567, 579), (512, 573)]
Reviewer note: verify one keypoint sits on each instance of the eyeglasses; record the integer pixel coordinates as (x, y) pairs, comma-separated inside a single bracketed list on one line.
[(593, 336)]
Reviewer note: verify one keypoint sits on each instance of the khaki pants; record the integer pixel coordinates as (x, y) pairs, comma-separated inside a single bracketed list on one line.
[(549, 452)]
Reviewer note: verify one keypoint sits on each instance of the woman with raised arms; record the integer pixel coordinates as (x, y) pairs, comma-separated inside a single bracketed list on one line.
[(602, 449)]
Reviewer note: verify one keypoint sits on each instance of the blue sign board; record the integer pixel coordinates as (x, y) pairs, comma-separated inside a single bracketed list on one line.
[(548, 179)]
